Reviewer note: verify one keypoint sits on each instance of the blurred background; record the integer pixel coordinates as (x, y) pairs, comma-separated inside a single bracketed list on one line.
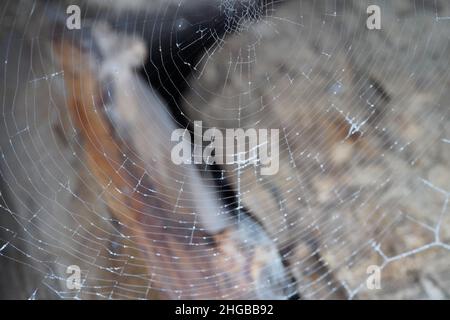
[(358, 209)]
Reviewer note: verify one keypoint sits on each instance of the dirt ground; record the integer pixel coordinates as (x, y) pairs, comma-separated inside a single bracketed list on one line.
[(365, 162), (364, 174)]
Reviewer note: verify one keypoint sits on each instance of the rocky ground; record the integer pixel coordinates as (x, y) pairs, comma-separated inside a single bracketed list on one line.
[(364, 177), (365, 118)]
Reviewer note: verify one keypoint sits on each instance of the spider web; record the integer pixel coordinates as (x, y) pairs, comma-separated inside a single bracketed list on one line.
[(364, 123)]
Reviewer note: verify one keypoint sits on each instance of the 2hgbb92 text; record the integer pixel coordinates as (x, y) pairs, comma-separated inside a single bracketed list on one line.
[(225, 309)]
